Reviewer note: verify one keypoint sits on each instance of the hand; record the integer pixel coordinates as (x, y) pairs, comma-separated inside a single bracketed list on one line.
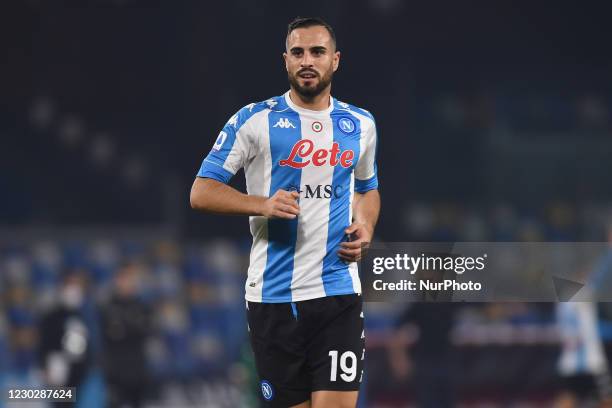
[(283, 204), (352, 251)]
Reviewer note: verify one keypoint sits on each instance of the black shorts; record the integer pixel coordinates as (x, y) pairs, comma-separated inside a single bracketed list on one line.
[(581, 385), (307, 346)]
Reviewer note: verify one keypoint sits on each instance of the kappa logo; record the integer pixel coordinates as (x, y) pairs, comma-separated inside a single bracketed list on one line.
[(344, 105), (284, 123), (271, 103), (250, 106), (233, 120)]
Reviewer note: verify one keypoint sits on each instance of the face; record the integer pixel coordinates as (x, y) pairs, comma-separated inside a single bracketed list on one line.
[(126, 281), (311, 60), (73, 291)]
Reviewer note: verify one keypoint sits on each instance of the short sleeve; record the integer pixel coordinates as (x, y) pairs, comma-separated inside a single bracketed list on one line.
[(231, 149), (366, 174)]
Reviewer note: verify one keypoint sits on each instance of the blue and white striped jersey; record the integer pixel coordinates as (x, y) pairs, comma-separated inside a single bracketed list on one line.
[(326, 156), (582, 350)]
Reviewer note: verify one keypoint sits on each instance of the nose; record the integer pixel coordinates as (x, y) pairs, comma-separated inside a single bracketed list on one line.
[(306, 60)]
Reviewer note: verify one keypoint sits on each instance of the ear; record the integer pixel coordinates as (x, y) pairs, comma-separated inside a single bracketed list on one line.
[(336, 61), (285, 59)]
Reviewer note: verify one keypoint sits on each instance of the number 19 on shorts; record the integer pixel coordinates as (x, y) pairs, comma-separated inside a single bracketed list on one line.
[(349, 369)]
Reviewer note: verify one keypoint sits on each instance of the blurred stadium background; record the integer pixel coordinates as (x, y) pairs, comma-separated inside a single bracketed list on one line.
[(495, 124)]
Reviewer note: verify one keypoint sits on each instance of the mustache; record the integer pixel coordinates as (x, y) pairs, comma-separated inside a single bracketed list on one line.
[(307, 71)]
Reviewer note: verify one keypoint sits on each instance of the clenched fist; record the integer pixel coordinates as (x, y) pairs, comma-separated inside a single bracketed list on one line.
[(283, 204)]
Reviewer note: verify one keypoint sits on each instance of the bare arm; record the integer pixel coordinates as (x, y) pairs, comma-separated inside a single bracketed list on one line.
[(212, 196), (366, 207)]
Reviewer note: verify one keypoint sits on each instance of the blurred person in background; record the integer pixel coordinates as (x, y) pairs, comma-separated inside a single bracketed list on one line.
[(19, 355), (126, 328), (66, 337), (582, 363), (429, 362)]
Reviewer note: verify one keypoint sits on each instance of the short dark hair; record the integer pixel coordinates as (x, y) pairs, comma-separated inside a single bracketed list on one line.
[(305, 22)]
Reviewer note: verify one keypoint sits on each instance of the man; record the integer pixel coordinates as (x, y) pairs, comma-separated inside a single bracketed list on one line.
[(429, 365), (126, 327), (312, 199), (66, 338), (583, 364)]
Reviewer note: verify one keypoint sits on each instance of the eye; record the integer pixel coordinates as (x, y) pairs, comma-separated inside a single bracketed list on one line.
[(296, 53)]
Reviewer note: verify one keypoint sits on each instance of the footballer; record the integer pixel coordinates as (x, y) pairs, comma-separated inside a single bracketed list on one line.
[(312, 200)]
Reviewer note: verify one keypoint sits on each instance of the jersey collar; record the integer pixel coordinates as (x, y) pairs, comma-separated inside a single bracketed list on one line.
[(298, 109)]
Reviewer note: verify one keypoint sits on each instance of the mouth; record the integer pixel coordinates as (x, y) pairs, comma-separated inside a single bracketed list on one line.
[(307, 75)]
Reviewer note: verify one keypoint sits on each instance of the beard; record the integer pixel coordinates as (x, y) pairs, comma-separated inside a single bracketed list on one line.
[(309, 92)]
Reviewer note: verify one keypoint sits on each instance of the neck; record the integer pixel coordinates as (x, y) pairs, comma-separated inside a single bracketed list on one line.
[(317, 103)]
